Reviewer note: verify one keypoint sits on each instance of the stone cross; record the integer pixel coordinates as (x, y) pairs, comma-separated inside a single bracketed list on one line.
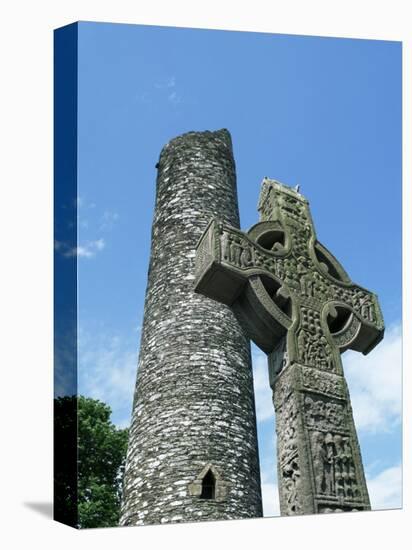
[(298, 305)]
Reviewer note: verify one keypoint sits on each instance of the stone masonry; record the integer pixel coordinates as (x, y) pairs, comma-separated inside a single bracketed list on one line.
[(193, 445)]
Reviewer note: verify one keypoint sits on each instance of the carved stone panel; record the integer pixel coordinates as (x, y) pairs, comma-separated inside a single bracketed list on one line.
[(334, 467), (362, 302), (313, 348), (325, 414), (323, 382)]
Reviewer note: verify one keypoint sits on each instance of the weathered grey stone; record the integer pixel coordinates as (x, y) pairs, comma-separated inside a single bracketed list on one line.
[(194, 412), (299, 306)]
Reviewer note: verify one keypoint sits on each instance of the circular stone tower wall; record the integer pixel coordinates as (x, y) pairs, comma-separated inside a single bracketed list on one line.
[(193, 446)]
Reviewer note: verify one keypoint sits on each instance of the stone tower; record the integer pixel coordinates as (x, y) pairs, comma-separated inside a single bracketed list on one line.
[(193, 445)]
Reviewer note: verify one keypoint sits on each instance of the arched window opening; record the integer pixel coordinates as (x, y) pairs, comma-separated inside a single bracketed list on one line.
[(208, 486)]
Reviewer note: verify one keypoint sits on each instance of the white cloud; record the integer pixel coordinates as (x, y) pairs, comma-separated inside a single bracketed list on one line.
[(385, 489), (270, 499), (174, 98), (166, 83), (88, 250), (84, 204), (375, 384), (108, 220), (263, 391), (142, 97), (107, 367), (169, 85), (163, 90)]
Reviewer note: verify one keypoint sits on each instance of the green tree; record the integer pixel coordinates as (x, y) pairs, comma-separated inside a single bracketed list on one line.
[(101, 453), (101, 459)]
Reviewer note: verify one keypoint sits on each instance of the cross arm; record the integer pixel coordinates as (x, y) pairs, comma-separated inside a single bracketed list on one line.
[(229, 266), (351, 312), (225, 259)]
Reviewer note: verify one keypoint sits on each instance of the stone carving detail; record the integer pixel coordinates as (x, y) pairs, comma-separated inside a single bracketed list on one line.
[(323, 382), (333, 466), (301, 240), (265, 298), (362, 303), (360, 300), (291, 277), (225, 243), (323, 413), (233, 247), (313, 348), (320, 286), (305, 274), (322, 463), (286, 404), (347, 335), (293, 209), (242, 254), (246, 255), (265, 205), (287, 429), (310, 320), (340, 294), (278, 360), (264, 261), (290, 488), (280, 269), (235, 250)]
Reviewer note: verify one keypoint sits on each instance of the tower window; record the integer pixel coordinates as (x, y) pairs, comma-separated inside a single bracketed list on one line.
[(208, 486)]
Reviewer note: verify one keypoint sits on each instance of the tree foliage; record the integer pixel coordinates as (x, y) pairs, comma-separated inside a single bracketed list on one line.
[(102, 452), (100, 464)]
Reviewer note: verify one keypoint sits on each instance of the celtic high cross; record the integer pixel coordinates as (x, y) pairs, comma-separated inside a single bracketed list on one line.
[(299, 306)]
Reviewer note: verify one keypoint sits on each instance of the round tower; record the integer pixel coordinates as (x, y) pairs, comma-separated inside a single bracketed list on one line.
[(193, 446)]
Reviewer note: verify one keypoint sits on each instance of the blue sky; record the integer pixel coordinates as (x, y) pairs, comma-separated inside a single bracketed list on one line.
[(320, 112)]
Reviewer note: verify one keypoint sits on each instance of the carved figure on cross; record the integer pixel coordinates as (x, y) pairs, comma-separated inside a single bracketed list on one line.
[(298, 304)]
